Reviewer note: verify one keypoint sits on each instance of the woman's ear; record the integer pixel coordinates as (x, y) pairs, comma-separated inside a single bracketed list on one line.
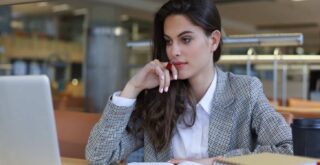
[(215, 40)]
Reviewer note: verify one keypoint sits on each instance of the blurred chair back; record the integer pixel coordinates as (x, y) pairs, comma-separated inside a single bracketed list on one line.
[(303, 103), (288, 117), (273, 103), (70, 103), (73, 130)]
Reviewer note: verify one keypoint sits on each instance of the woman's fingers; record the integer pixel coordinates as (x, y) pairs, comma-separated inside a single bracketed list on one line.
[(174, 72), (161, 76), (169, 66), (167, 80), (163, 72)]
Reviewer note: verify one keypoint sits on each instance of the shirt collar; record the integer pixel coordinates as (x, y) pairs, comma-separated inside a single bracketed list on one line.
[(206, 100)]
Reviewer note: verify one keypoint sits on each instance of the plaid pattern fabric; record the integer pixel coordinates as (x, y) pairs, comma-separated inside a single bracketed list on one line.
[(241, 122)]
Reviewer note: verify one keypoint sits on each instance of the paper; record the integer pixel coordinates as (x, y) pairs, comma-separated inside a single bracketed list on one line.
[(149, 163), (189, 163), (163, 163)]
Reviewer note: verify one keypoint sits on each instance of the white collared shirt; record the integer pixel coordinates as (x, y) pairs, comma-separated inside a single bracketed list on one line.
[(192, 142), (187, 142)]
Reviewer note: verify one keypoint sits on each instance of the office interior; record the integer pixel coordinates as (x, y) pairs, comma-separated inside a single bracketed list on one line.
[(90, 48)]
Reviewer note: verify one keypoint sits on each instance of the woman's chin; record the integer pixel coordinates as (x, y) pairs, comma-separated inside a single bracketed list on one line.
[(183, 77)]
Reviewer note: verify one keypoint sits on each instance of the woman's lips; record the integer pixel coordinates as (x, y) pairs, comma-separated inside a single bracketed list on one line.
[(179, 65)]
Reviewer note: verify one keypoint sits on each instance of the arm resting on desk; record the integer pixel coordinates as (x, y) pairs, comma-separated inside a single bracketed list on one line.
[(109, 141)]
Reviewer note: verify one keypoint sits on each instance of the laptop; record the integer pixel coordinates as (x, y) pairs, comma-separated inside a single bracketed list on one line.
[(27, 127)]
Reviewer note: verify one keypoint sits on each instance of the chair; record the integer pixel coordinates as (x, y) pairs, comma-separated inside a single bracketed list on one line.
[(71, 103), (73, 129), (298, 103), (288, 117), (300, 112), (273, 103)]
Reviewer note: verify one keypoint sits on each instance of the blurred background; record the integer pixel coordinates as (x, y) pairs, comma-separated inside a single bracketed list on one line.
[(83, 45), (90, 48)]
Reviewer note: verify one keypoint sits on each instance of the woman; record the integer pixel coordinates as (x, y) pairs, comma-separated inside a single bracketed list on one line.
[(180, 106)]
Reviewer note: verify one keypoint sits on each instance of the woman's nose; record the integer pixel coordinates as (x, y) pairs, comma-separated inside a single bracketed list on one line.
[(175, 50)]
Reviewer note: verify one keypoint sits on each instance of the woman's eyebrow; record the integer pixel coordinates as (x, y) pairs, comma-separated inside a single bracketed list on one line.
[(166, 36), (179, 35), (185, 32)]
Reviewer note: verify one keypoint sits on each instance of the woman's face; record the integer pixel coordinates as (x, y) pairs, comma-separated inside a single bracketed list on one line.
[(188, 47)]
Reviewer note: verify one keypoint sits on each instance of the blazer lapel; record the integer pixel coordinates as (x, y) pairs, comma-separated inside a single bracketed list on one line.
[(220, 124)]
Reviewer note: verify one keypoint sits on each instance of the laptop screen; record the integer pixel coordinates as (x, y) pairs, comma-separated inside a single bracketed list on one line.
[(27, 126)]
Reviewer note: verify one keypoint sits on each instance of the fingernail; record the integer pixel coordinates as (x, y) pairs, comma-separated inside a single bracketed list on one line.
[(161, 90), (166, 89), (162, 77), (176, 77)]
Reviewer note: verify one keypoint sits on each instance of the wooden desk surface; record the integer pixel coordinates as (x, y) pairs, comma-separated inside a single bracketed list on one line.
[(270, 158), (301, 112), (73, 161)]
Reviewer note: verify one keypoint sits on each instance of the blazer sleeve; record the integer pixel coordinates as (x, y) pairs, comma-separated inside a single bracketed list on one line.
[(272, 132), (109, 141)]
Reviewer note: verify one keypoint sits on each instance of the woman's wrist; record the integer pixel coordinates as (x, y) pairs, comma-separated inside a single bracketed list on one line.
[(130, 91)]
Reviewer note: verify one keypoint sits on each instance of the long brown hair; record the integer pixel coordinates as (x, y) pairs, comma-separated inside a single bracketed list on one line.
[(158, 113)]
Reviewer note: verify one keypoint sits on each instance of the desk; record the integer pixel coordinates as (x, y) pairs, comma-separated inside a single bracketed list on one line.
[(268, 159), (300, 112), (73, 161)]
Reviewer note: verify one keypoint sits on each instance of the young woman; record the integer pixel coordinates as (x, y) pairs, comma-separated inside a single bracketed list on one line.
[(181, 106)]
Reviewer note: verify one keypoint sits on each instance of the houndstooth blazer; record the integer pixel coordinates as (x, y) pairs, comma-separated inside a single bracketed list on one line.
[(241, 122)]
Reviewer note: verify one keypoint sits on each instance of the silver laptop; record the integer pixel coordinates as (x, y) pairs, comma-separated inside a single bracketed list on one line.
[(27, 127)]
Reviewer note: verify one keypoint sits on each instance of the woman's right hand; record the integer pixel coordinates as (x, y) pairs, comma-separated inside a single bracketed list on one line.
[(150, 76)]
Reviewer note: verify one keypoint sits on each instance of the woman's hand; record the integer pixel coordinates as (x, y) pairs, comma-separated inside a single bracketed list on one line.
[(150, 76), (207, 161)]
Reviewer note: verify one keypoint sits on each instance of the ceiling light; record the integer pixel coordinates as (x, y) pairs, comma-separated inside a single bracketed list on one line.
[(82, 11), (75, 82), (277, 40), (118, 31), (62, 7), (281, 39), (42, 4), (16, 24)]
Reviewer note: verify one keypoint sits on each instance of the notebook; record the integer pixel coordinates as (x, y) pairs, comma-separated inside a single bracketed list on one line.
[(28, 132), (164, 163)]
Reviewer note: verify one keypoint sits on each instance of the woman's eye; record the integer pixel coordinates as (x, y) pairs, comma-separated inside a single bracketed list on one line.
[(168, 42), (186, 40)]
